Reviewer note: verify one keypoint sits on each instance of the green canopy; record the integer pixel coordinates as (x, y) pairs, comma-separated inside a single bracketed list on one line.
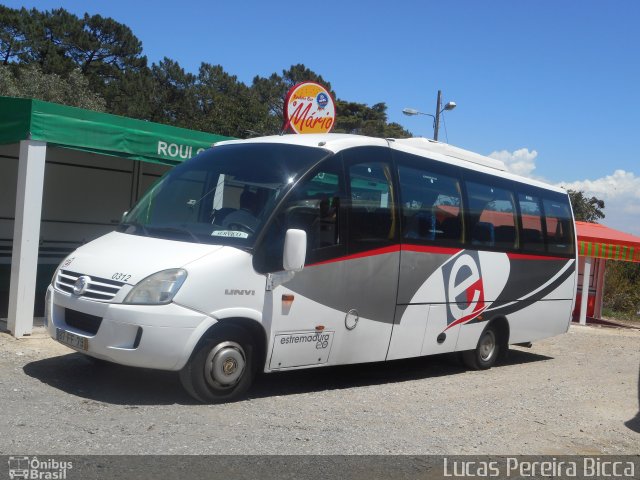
[(103, 133)]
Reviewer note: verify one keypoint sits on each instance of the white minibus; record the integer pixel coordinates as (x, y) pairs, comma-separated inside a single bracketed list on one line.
[(301, 251)]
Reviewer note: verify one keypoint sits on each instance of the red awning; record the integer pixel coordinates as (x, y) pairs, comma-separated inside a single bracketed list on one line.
[(598, 241)]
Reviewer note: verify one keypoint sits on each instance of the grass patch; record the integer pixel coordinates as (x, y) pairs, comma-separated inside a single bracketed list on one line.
[(619, 315)]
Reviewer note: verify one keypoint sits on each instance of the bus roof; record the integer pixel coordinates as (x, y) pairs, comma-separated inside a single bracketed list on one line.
[(431, 146), (336, 142)]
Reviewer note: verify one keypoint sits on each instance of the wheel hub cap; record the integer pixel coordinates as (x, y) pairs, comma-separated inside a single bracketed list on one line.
[(229, 366), (487, 346), (225, 365)]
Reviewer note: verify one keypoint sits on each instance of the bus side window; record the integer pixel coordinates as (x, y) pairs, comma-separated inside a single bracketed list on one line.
[(532, 236), (430, 205), (372, 216), (492, 216), (559, 226), (371, 198), (316, 207)]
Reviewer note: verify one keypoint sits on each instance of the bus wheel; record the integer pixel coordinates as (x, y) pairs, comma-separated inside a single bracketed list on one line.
[(486, 353), (221, 368)]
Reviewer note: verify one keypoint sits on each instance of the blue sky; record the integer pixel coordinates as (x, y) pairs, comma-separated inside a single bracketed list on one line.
[(551, 87)]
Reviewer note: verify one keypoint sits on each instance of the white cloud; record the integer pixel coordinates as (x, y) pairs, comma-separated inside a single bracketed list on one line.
[(618, 185), (620, 190), (521, 162), (621, 194)]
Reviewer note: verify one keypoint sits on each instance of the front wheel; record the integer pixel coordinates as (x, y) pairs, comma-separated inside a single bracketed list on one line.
[(486, 352), (221, 368)]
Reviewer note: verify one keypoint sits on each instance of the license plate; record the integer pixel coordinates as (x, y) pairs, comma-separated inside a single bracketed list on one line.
[(72, 340)]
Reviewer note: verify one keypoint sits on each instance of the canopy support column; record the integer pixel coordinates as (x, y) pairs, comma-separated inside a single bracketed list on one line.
[(586, 274), (26, 237), (601, 265)]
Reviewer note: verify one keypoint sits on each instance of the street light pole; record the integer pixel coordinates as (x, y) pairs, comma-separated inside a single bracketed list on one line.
[(436, 117), (437, 125)]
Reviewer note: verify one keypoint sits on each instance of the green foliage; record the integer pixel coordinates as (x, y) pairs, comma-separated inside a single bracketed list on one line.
[(586, 209), (61, 42), (270, 92), (13, 38), (622, 288), (225, 105), (94, 60), (8, 84), (361, 119), (395, 130), (134, 95), (352, 117), (173, 99), (30, 82), (104, 47), (46, 44)]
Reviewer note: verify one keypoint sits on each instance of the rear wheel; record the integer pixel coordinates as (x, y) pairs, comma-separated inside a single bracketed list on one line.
[(486, 352), (221, 368)]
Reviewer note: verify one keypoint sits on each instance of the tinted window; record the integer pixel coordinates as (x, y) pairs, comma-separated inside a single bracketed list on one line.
[(221, 196), (559, 226), (177, 195), (492, 216), (315, 206), (430, 204), (373, 215), (531, 235)]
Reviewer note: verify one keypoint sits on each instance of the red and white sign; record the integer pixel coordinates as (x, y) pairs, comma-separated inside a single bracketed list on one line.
[(309, 108)]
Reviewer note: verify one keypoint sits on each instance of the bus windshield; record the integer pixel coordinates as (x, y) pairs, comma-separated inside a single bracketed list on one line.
[(222, 196)]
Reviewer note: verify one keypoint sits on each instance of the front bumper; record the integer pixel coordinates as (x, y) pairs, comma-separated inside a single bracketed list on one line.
[(149, 336)]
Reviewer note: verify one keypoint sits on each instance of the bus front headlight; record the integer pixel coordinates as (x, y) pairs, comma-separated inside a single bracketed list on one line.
[(157, 289)]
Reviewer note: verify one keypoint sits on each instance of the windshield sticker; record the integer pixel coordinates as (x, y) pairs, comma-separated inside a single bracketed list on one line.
[(229, 233)]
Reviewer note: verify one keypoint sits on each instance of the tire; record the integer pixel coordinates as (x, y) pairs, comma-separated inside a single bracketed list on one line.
[(221, 368), (486, 353)]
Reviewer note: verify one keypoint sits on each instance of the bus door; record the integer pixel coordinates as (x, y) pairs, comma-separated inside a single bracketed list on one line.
[(431, 275), (340, 307)]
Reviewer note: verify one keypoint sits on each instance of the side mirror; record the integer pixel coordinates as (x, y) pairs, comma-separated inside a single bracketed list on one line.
[(295, 250)]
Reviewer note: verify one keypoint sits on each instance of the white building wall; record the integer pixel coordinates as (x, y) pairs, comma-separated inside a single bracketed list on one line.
[(84, 197)]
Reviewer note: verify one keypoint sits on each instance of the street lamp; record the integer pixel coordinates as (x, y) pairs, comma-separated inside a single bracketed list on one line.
[(436, 117)]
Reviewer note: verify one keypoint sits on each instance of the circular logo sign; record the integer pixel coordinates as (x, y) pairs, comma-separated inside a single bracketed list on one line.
[(81, 285), (309, 108), (322, 99)]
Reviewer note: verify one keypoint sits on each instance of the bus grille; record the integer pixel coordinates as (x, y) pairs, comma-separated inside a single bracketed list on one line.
[(82, 321), (100, 289)]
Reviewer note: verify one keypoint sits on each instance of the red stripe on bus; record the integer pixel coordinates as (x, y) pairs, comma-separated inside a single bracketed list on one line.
[(391, 249), (424, 249), (368, 253), (430, 249), (467, 318)]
